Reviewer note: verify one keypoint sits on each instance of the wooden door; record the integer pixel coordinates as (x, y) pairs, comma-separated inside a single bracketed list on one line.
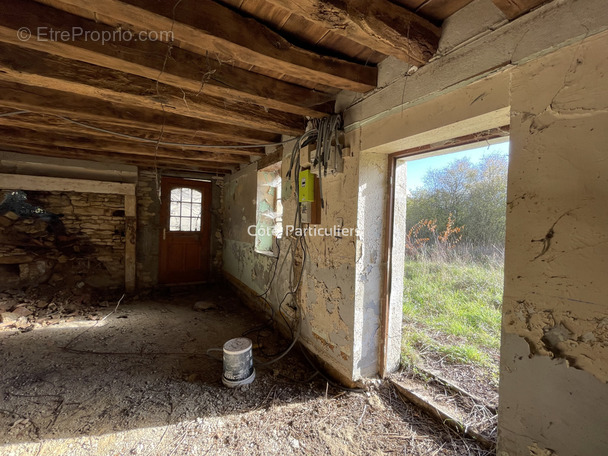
[(185, 231)]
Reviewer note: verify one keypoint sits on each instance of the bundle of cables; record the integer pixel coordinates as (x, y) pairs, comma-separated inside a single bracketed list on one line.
[(325, 133)]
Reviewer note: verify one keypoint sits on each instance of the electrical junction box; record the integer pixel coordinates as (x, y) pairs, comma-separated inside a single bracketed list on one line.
[(306, 212), (307, 186), (335, 162)]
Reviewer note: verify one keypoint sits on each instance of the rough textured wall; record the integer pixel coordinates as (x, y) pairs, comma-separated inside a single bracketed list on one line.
[(148, 220), (239, 258), (554, 355), (328, 283), (328, 288), (79, 237), (372, 191), (217, 226)]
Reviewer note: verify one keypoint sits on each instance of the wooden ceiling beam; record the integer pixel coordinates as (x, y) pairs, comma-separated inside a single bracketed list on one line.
[(53, 125), (146, 162), (43, 70), (203, 26), (377, 24), (102, 145), (153, 60), (81, 108)]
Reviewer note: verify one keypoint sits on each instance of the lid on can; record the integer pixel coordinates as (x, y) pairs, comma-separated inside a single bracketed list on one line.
[(237, 346)]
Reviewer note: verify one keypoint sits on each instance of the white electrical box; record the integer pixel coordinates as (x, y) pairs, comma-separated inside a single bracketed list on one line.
[(335, 164), (306, 212)]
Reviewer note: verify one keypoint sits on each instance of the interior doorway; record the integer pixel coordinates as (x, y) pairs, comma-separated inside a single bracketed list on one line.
[(185, 231)]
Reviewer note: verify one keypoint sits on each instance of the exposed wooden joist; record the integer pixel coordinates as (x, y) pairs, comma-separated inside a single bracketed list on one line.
[(204, 26), (184, 70), (137, 160), (515, 8), (102, 145), (377, 24), (77, 107), (52, 125), (39, 69)]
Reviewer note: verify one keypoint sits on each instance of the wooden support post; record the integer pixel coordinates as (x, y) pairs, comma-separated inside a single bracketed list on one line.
[(130, 238)]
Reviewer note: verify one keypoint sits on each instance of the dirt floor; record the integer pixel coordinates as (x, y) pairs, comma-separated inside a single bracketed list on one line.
[(473, 379), (136, 380)]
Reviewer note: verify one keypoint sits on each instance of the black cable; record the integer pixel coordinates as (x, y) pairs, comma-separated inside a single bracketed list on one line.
[(322, 131), (275, 268)]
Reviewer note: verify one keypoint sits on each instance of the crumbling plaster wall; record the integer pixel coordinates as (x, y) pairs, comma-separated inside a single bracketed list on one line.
[(327, 290), (148, 224), (467, 88), (554, 356)]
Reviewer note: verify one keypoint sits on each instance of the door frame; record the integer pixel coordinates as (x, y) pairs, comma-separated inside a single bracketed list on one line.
[(204, 186)]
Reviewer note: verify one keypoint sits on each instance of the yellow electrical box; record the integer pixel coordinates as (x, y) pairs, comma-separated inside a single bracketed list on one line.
[(307, 186)]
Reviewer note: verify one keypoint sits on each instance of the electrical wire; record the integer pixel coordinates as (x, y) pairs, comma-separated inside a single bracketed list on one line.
[(13, 113), (324, 132)]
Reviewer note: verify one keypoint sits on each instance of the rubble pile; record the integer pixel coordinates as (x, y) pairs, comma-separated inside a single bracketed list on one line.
[(34, 308)]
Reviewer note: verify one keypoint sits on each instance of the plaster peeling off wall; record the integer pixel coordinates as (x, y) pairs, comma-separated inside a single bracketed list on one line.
[(328, 288), (554, 358), (328, 284), (240, 261)]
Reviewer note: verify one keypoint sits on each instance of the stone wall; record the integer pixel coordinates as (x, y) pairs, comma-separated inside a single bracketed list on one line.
[(148, 225), (63, 238)]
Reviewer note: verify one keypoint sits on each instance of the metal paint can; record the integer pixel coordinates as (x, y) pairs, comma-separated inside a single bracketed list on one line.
[(238, 362)]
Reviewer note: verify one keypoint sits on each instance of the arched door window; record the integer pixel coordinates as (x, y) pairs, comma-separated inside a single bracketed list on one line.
[(185, 209)]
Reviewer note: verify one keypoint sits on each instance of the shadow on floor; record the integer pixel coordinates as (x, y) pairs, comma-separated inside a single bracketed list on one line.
[(144, 365)]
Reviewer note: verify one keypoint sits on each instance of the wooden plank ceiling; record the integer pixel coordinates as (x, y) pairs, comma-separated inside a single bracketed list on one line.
[(213, 83)]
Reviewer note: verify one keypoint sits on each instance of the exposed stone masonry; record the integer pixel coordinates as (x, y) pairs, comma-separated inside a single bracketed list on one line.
[(75, 237)]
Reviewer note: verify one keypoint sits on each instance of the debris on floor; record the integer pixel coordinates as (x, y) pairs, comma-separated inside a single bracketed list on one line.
[(144, 385)]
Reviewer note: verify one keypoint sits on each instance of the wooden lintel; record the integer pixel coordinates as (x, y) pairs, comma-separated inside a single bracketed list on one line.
[(62, 184)]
